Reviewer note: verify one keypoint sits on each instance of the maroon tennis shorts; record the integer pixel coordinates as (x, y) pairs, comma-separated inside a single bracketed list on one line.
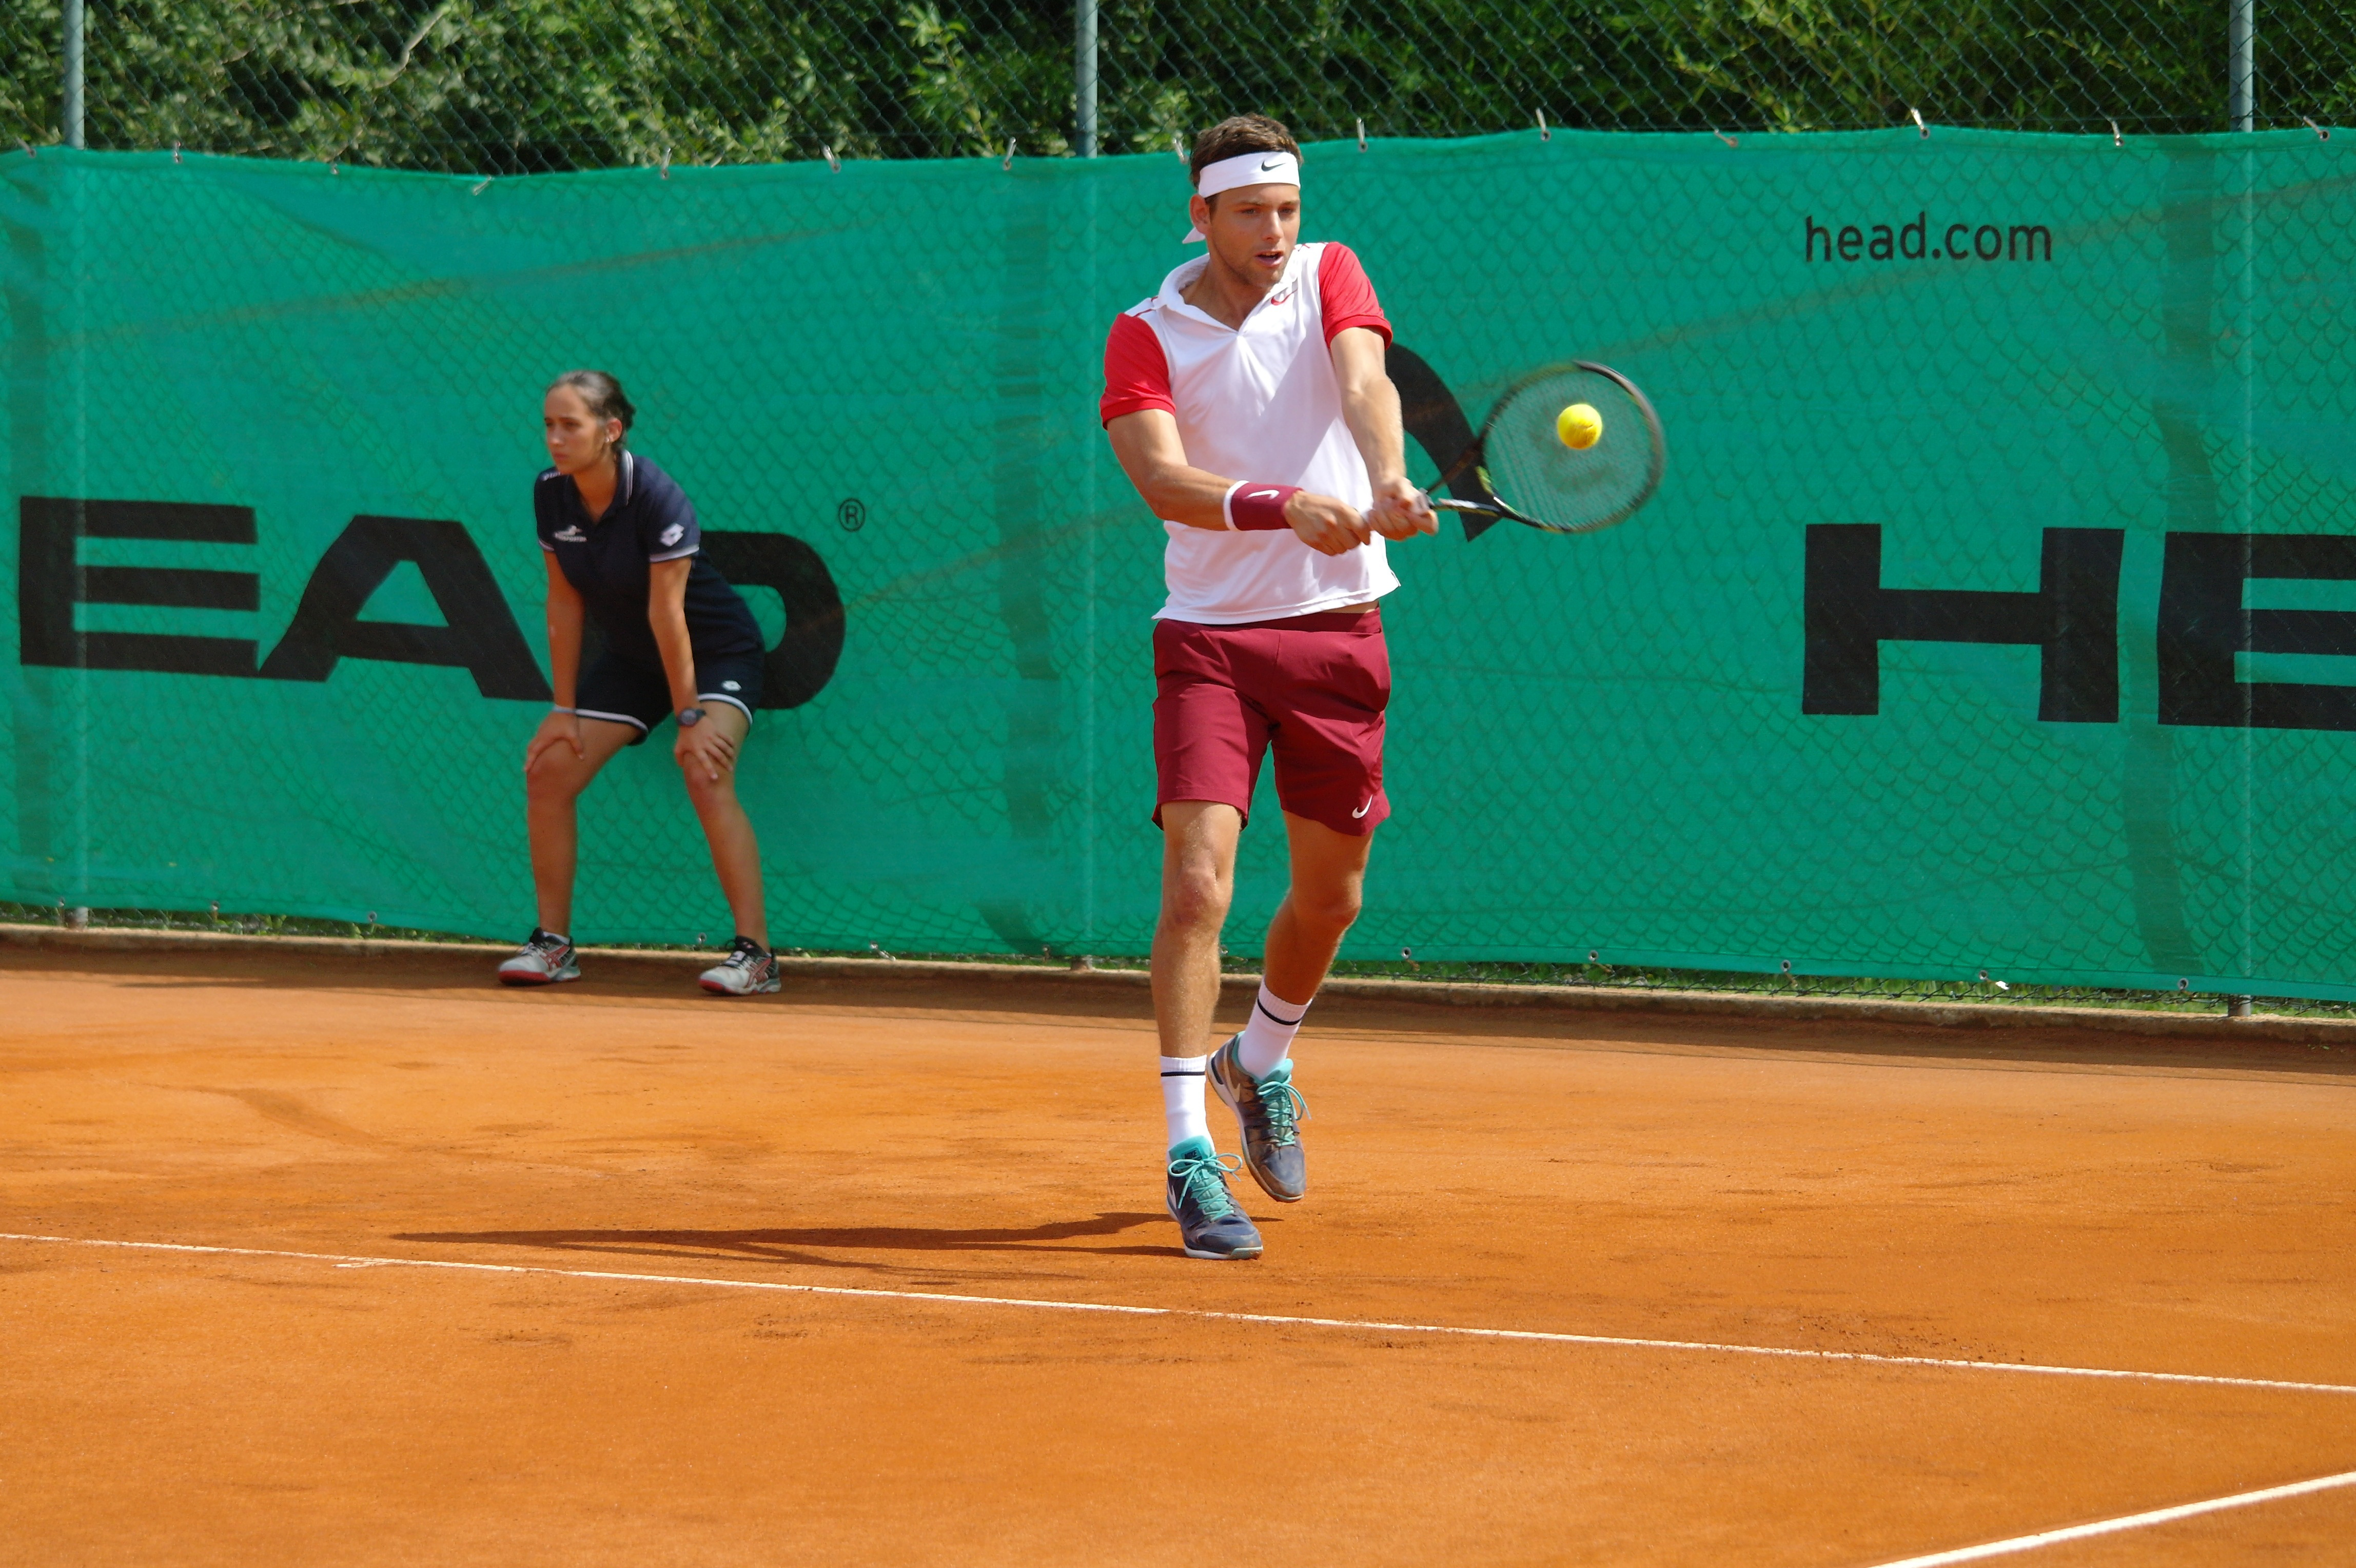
[(1313, 687)]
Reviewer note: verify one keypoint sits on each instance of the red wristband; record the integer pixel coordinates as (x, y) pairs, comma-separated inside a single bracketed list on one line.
[(1251, 506)]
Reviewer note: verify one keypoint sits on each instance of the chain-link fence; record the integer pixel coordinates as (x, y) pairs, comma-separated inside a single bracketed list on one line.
[(524, 86), (537, 85)]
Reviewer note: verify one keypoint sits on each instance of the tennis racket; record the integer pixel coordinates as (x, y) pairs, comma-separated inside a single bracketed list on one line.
[(1520, 470)]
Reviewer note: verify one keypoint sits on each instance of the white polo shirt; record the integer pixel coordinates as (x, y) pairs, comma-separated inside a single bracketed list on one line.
[(1259, 403)]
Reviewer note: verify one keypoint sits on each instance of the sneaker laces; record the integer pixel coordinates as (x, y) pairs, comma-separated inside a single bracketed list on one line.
[(1285, 1108), (746, 955), (1204, 1181), (545, 942)]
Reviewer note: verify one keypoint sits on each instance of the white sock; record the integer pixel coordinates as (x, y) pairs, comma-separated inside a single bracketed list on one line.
[(1269, 1035), (1182, 1098)]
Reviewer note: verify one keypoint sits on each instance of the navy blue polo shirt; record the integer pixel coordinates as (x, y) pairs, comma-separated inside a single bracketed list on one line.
[(650, 520)]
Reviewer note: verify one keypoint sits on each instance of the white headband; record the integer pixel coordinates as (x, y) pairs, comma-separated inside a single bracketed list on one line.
[(1248, 169)]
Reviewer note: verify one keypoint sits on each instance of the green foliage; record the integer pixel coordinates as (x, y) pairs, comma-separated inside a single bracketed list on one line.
[(1415, 67), (506, 86), (500, 86)]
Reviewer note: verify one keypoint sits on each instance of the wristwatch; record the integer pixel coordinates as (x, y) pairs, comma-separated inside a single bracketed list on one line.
[(690, 717)]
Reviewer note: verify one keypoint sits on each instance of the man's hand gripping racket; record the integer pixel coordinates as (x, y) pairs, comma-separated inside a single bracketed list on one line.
[(1570, 448)]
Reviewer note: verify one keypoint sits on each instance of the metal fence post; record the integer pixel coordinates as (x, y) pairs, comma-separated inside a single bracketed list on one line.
[(70, 15), (2242, 106), (2241, 63), (1083, 73)]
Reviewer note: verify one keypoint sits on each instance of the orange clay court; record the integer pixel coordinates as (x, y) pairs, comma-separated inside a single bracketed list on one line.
[(620, 1163)]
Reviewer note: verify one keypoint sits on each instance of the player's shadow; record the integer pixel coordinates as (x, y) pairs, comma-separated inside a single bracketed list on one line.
[(791, 1246)]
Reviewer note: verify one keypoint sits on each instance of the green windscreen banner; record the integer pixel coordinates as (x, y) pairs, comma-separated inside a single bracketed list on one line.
[(1997, 612)]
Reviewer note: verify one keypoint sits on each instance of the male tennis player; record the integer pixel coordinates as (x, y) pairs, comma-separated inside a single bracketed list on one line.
[(1249, 404)]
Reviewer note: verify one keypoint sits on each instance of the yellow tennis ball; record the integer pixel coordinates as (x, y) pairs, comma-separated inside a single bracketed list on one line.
[(1579, 427)]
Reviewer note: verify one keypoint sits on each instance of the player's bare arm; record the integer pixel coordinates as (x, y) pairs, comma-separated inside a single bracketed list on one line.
[(562, 726), (699, 747), (1151, 453), (1370, 406)]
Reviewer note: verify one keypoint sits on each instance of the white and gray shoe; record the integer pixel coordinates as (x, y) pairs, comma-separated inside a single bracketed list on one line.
[(749, 970), (543, 959)]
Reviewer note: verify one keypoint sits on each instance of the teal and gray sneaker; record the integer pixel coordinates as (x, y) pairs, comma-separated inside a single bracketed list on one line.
[(1209, 1223), (1270, 1111)]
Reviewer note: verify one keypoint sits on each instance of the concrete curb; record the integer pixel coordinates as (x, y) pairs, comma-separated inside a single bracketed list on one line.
[(1559, 999)]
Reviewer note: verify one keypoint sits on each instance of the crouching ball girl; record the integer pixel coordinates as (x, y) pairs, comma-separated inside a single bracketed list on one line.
[(624, 553)]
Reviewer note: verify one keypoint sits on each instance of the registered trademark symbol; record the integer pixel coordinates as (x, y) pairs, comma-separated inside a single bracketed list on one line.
[(852, 514)]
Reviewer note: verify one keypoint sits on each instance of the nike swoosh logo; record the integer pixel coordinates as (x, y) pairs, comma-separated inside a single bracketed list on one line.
[(1364, 810), (1263, 495), (1274, 162)]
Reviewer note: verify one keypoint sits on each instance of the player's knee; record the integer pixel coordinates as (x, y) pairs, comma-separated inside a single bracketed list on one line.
[(707, 792), (1329, 909), (1191, 896), (549, 782)]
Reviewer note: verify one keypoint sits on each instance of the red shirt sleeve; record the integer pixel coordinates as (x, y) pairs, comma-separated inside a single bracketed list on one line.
[(1348, 294), (1137, 371)]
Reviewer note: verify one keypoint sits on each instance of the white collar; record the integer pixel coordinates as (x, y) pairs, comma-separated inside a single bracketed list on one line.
[(1173, 295)]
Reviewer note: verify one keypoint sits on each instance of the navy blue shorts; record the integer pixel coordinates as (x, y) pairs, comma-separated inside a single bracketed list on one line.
[(629, 691)]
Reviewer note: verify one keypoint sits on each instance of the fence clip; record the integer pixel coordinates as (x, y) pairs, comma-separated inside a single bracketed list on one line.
[(1919, 125), (28, 146), (1008, 161), (1544, 134), (2116, 140), (2321, 133), (1722, 136), (1177, 147), (1362, 135), (831, 161), (175, 152), (666, 163), (482, 187)]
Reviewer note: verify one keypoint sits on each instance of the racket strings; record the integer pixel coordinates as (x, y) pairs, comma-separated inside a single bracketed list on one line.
[(1530, 470)]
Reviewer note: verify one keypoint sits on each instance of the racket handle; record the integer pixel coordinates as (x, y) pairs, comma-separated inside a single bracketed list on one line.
[(1369, 515), (1442, 503)]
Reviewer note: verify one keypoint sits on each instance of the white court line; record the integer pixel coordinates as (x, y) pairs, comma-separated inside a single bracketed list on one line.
[(2128, 1522), (1364, 1325)]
